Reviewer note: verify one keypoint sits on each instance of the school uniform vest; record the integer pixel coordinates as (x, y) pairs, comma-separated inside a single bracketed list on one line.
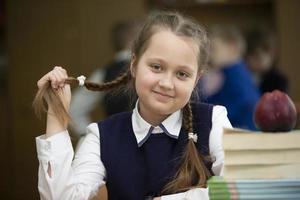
[(133, 172)]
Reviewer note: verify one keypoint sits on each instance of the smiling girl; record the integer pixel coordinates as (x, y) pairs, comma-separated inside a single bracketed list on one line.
[(166, 148)]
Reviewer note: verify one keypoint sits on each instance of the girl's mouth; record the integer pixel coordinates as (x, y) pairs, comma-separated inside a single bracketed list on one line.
[(163, 94)]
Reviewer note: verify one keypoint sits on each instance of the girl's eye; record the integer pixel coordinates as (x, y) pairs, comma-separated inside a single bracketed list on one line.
[(182, 75), (156, 67)]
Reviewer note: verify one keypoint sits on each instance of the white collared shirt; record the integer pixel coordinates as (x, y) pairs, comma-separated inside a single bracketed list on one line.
[(80, 176), (142, 129)]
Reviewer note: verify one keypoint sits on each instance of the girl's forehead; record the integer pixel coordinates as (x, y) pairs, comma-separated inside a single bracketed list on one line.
[(173, 48)]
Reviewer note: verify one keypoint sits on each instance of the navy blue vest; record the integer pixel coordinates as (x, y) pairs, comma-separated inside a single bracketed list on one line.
[(136, 172)]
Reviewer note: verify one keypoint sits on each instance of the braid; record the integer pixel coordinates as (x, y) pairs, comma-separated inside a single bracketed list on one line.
[(188, 118), (47, 95), (192, 172), (117, 82)]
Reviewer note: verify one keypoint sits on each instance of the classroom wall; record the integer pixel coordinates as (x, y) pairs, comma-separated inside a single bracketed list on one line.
[(75, 34), (40, 35), (287, 20)]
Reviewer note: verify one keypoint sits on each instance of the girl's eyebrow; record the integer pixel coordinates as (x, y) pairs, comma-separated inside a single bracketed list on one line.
[(187, 68), (183, 67), (157, 59)]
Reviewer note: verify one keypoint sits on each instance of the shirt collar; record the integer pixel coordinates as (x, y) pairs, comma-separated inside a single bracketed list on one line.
[(142, 129)]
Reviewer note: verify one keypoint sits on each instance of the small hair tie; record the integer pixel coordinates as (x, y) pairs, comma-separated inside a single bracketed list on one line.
[(193, 136), (81, 80)]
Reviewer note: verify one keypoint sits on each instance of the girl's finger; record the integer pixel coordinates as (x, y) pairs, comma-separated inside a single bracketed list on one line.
[(42, 80), (46, 78), (59, 68), (62, 74), (56, 77), (53, 80), (60, 77)]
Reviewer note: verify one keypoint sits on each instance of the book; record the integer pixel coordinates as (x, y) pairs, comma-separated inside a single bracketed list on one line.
[(257, 155), (258, 165), (223, 189), (218, 181), (255, 171), (262, 157), (238, 139)]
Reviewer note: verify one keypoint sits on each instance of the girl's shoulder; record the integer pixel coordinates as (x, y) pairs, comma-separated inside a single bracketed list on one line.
[(208, 113), (116, 117), (116, 121), (202, 105), (199, 109)]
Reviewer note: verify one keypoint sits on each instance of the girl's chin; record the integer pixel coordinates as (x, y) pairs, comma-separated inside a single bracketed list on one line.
[(162, 108)]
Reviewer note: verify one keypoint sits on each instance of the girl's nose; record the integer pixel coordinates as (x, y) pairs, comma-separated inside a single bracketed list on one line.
[(166, 82)]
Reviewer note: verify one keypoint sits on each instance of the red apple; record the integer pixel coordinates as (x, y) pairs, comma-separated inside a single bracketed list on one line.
[(275, 112)]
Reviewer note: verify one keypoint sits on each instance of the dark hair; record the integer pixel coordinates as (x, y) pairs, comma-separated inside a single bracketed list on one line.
[(229, 34), (178, 24), (259, 38), (192, 171), (122, 34)]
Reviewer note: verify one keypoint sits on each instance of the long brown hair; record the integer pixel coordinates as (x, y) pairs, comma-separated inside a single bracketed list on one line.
[(192, 171)]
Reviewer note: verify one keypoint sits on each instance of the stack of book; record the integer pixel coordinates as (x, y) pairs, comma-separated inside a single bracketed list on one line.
[(258, 166), (246, 189)]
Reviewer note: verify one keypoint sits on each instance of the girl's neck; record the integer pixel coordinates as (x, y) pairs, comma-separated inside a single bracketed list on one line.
[(150, 117)]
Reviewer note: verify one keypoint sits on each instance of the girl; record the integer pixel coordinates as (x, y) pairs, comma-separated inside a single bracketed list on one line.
[(165, 148)]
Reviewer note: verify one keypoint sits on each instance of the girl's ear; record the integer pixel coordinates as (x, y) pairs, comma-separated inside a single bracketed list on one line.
[(133, 65)]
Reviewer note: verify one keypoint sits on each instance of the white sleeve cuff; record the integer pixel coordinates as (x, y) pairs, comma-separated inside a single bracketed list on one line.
[(178, 196), (53, 146), (196, 193)]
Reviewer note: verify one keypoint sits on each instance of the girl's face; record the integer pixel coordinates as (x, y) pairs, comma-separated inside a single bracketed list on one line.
[(165, 75)]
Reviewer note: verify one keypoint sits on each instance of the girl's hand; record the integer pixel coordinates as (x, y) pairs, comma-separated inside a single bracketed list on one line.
[(56, 78), (157, 198)]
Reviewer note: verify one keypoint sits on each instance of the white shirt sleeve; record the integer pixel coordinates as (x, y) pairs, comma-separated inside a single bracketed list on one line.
[(84, 101), (71, 179), (197, 193), (219, 122)]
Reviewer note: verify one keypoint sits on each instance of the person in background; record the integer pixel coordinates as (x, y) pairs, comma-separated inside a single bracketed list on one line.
[(261, 57), (84, 102), (230, 83)]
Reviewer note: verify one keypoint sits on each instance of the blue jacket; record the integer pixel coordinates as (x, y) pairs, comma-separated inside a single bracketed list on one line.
[(238, 94)]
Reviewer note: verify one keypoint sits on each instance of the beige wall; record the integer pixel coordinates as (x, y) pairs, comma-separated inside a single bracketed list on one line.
[(243, 15), (288, 24), (42, 34), (75, 34)]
